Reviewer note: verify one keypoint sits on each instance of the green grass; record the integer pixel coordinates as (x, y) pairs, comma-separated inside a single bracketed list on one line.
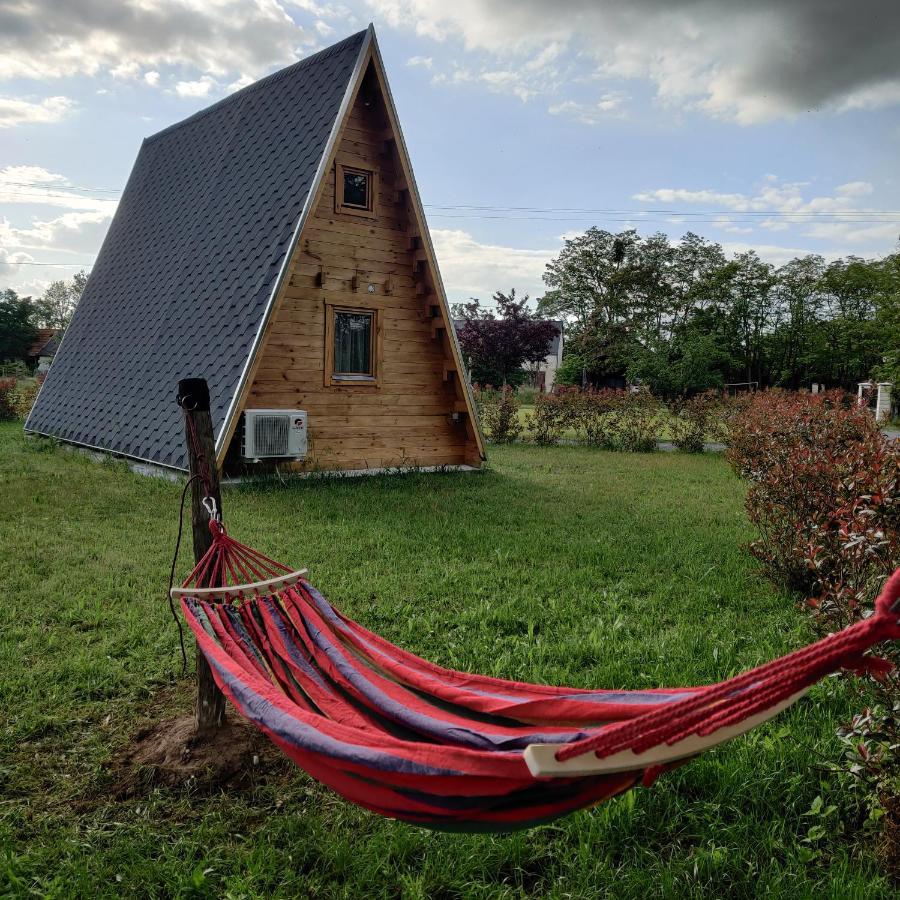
[(561, 565)]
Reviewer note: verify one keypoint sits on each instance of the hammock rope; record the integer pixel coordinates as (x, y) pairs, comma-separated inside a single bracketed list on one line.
[(451, 750)]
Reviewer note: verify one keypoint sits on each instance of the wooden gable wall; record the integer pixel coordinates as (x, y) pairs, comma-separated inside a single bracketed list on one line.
[(416, 414)]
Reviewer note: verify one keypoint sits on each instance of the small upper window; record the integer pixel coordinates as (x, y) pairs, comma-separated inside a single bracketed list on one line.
[(355, 190)]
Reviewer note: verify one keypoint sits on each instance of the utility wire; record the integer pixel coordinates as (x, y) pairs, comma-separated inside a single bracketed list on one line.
[(471, 207)]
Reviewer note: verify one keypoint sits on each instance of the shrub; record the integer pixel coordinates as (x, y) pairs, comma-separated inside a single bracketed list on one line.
[(638, 422), (13, 368), (598, 415), (694, 421), (7, 399), (617, 420), (553, 413), (805, 457), (825, 495), (25, 395), (499, 413)]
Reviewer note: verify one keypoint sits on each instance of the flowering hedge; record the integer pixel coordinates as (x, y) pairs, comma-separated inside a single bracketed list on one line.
[(696, 420), (617, 420), (498, 410), (825, 495)]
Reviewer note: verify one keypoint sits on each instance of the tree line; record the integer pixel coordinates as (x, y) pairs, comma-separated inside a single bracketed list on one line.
[(682, 317), (21, 317)]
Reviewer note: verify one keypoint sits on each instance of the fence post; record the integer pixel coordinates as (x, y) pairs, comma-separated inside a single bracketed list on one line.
[(193, 397)]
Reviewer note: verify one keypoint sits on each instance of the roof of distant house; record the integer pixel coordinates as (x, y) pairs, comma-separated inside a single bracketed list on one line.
[(45, 342)]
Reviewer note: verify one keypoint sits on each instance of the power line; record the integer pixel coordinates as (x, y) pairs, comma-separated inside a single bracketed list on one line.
[(33, 263), (605, 211), (72, 187), (664, 211)]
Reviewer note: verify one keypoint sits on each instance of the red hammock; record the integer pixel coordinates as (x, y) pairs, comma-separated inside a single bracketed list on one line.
[(414, 741)]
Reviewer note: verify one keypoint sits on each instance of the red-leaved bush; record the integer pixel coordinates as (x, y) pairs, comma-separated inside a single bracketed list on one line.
[(8, 399), (823, 489), (825, 495)]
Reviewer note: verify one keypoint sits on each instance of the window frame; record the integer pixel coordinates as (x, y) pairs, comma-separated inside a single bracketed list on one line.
[(346, 379), (342, 168)]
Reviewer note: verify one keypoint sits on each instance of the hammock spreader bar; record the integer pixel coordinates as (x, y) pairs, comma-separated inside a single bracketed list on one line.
[(408, 739)]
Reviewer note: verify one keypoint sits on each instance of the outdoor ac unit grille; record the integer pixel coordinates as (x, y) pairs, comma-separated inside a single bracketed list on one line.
[(274, 433), (270, 435)]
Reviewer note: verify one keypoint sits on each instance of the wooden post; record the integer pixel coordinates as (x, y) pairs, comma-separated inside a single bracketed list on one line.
[(193, 397)]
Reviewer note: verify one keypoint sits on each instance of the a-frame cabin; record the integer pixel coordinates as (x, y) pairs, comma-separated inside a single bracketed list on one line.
[(275, 244)]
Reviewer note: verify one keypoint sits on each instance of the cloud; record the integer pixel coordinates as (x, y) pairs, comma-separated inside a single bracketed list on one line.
[(74, 232), (45, 39), (771, 253), (838, 218), (670, 196), (473, 269), (748, 62), (609, 105), (10, 263), (426, 62), (199, 88), (36, 186), (22, 112), (152, 78)]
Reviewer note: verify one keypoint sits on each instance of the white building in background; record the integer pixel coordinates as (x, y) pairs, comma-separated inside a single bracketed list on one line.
[(544, 373), (877, 396)]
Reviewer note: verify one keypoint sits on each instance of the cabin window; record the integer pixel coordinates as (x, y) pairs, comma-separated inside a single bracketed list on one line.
[(355, 190), (352, 346)]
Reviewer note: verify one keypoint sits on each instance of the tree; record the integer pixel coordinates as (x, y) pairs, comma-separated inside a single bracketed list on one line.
[(603, 285), (751, 313), (17, 329), (887, 323), (57, 304), (799, 297), (496, 347)]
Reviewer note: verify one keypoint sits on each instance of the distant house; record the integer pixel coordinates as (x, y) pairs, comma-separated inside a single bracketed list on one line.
[(43, 349), (543, 374)]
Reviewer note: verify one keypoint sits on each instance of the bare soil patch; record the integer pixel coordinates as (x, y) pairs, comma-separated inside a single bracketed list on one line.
[(171, 754)]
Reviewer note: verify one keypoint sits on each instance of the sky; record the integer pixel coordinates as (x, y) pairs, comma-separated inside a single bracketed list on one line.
[(757, 123)]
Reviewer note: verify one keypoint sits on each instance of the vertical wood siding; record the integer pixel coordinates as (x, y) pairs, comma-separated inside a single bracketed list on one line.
[(406, 419)]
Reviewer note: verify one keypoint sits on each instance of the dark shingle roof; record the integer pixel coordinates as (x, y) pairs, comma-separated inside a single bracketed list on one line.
[(182, 281)]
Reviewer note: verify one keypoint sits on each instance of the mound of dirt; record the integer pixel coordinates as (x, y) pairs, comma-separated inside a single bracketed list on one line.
[(170, 753)]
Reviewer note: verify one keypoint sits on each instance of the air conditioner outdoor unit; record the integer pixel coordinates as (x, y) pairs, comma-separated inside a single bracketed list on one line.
[(272, 433)]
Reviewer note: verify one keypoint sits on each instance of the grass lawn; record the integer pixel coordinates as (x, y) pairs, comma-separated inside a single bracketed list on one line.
[(562, 565)]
